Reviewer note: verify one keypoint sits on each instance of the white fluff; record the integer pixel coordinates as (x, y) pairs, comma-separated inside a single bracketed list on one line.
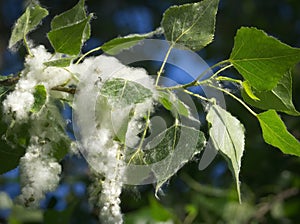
[(21, 100), (39, 174), (39, 170), (101, 150)]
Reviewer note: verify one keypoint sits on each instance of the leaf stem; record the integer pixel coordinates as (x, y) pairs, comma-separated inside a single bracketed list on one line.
[(210, 68), (196, 82), (27, 47), (224, 78), (24, 34), (87, 53), (164, 63), (198, 96), (234, 97), (220, 70)]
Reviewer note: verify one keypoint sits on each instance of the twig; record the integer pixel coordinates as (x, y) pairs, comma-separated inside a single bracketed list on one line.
[(265, 207), (64, 89)]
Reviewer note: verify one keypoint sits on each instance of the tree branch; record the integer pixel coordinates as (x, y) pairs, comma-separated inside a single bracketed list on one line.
[(14, 80)]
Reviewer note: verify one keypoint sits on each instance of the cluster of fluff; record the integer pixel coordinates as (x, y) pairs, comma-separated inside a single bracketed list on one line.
[(104, 154), (109, 202), (21, 100), (39, 170), (39, 173)]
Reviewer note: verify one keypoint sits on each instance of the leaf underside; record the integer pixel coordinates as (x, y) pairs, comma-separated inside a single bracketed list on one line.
[(122, 92), (26, 23), (171, 149), (228, 137)]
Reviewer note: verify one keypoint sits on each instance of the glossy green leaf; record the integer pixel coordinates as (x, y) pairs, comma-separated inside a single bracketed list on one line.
[(62, 62), (261, 59), (228, 137), (279, 98), (171, 149), (26, 23), (122, 92), (68, 39), (40, 98), (70, 30), (276, 134), (118, 44), (192, 25), (173, 104), (248, 89), (71, 17)]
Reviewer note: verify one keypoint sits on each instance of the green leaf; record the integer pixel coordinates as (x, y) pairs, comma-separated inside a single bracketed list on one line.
[(12, 147), (40, 98), (276, 134), (171, 149), (69, 39), (279, 98), (247, 89), (192, 25), (26, 23), (71, 17), (228, 136), (52, 119), (171, 102), (159, 212), (9, 156), (122, 92), (118, 44), (62, 62), (154, 213), (262, 60)]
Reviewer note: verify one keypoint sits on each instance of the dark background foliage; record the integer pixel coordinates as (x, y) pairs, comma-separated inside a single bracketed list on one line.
[(270, 179)]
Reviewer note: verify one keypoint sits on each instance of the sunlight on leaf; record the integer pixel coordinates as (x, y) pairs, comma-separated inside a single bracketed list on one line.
[(122, 92), (40, 98), (261, 59), (26, 23), (247, 88), (173, 104), (192, 25), (70, 30), (118, 44), (228, 136), (279, 98), (276, 134)]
